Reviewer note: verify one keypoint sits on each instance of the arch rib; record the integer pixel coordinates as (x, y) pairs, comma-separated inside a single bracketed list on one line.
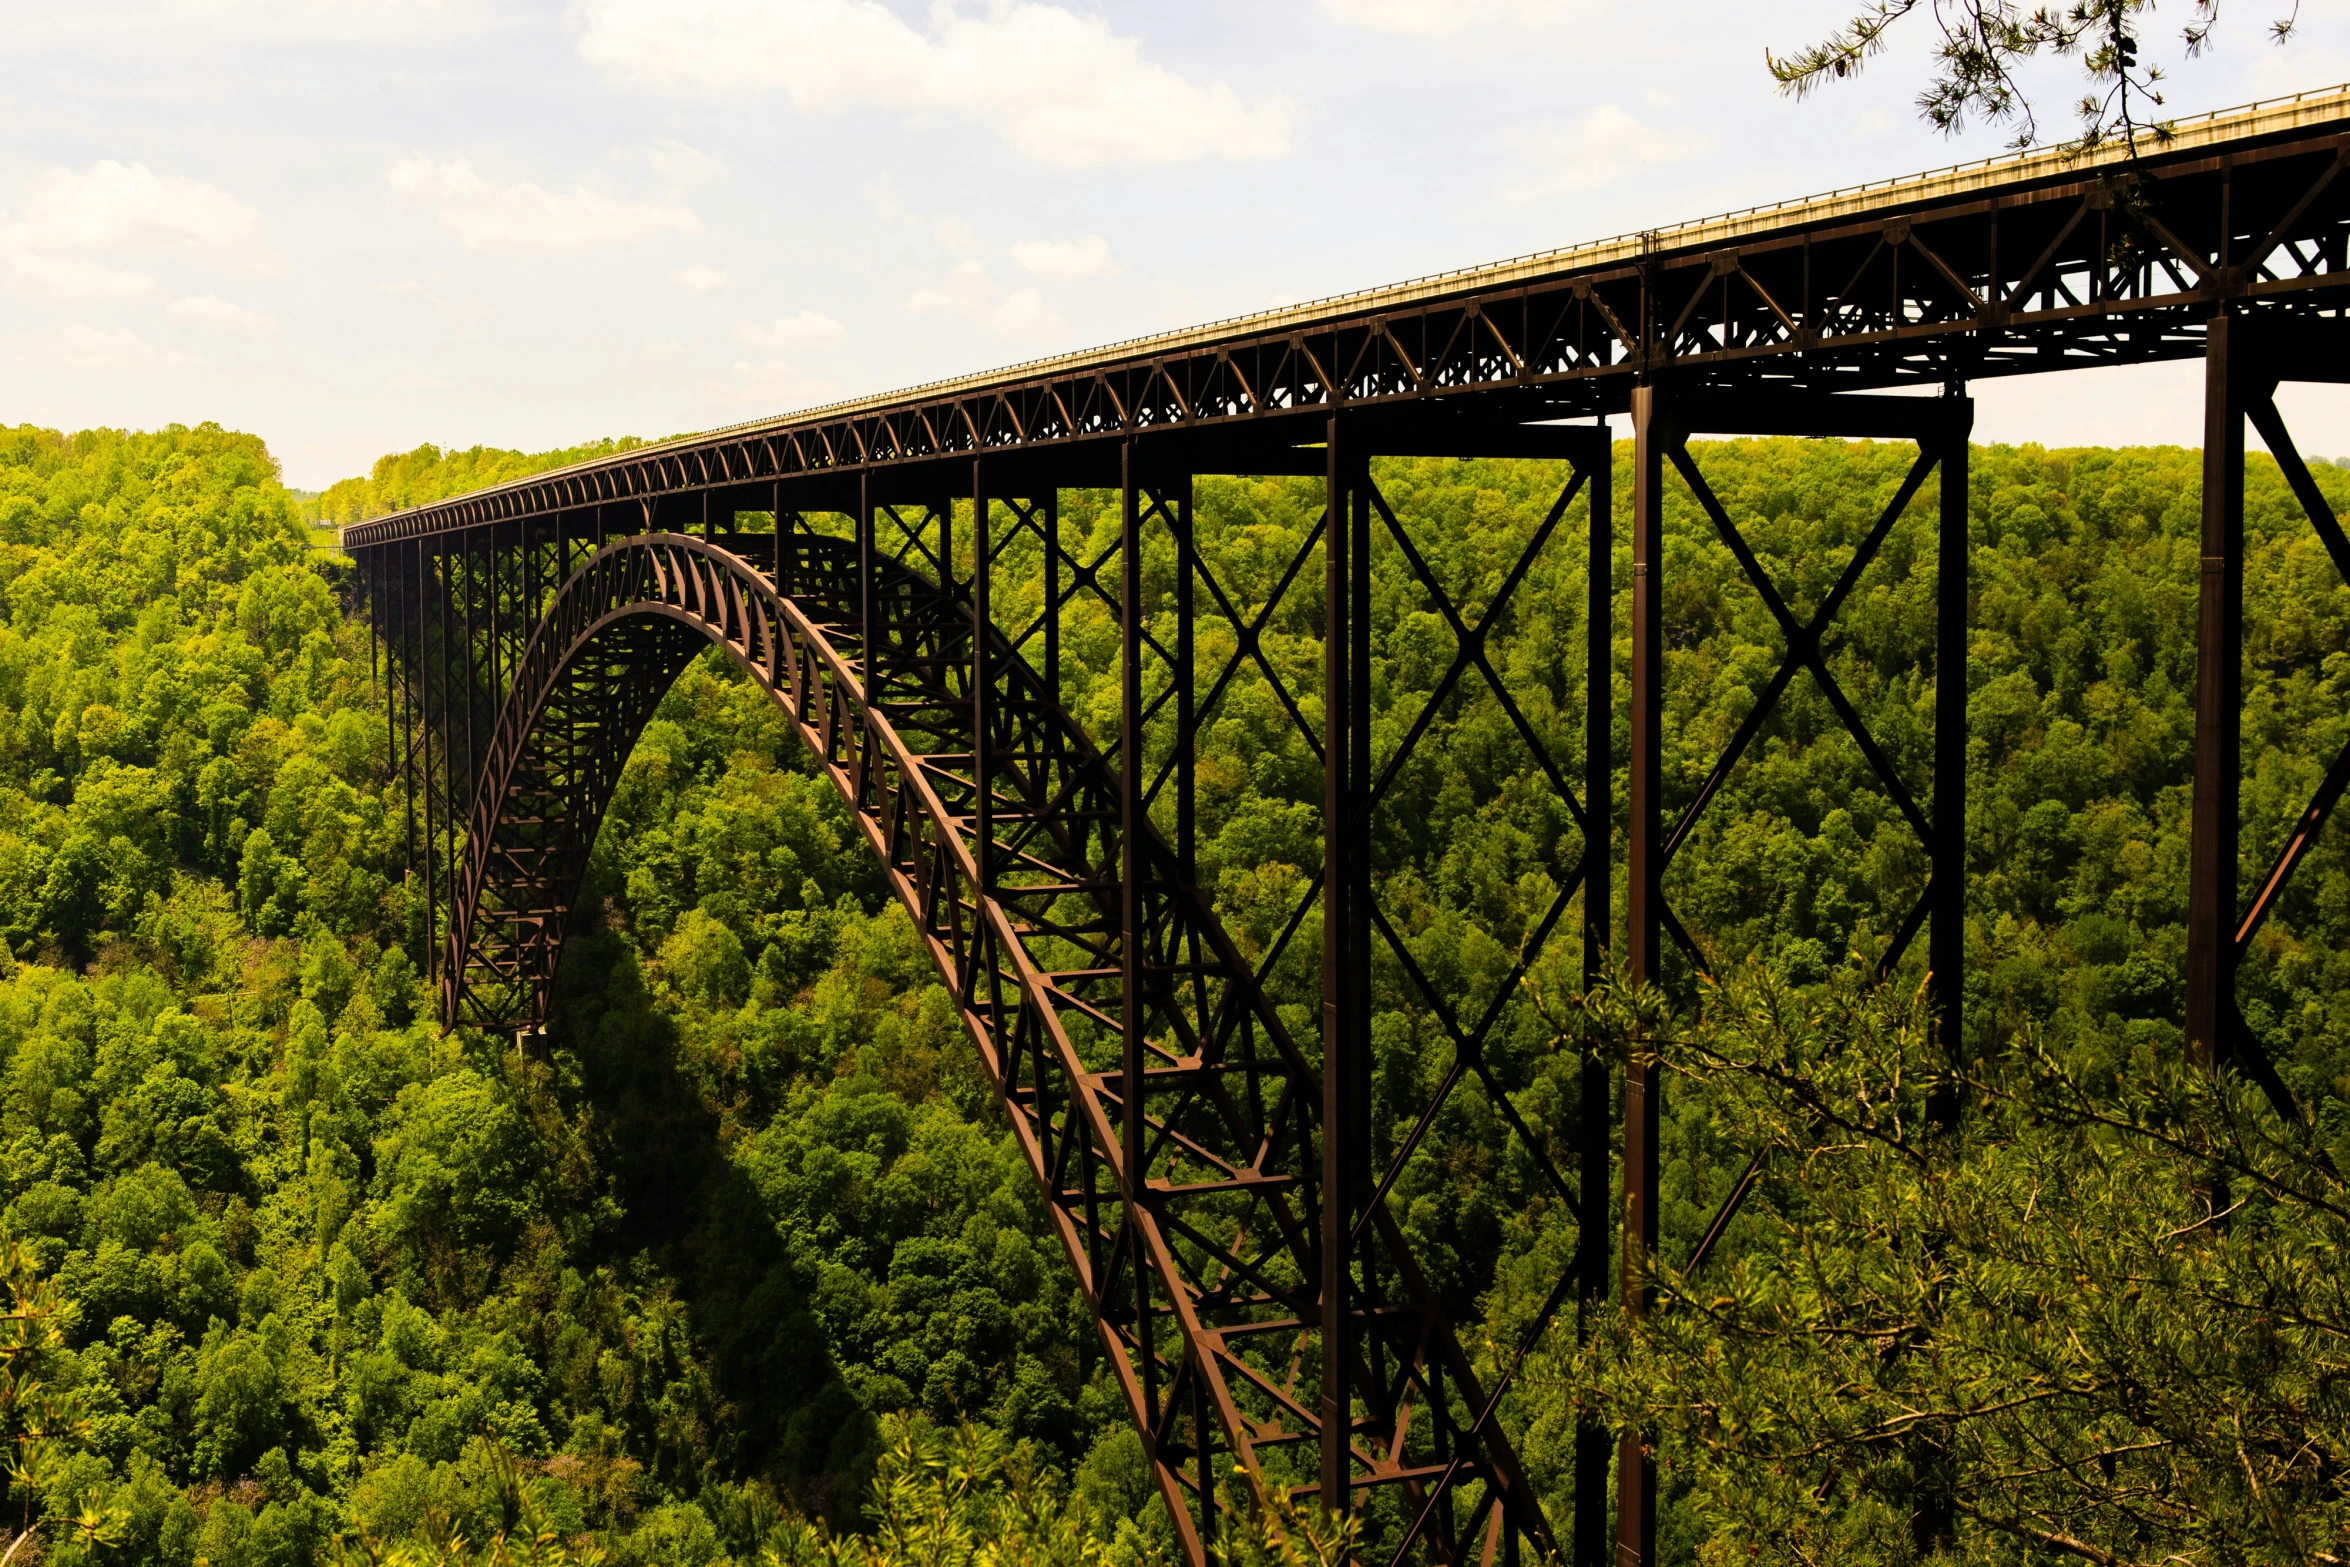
[(1200, 1266)]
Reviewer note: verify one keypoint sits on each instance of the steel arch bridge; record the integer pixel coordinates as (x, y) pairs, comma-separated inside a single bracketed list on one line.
[(894, 572)]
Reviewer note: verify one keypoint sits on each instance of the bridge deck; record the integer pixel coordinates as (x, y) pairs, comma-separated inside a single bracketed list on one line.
[(2043, 260)]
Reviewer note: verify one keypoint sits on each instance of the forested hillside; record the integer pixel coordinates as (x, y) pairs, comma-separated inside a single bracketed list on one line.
[(402, 479), (746, 1228)]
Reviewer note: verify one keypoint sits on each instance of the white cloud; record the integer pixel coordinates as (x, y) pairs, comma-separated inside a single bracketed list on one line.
[(81, 347), (772, 386), (500, 219), (66, 231), (1060, 87), (1606, 145), (275, 21), (1066, 260), (1421, 18), (409, 288), (685, 165), (966, 287), (419, 383), (70, 277), (1018, 316), (224, 315), (699, 279), (1022, 316), (804, 329)]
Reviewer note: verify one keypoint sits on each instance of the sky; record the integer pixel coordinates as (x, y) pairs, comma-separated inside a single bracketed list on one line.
[(352, 226)]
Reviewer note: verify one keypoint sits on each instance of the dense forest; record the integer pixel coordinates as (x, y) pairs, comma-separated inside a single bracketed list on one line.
[(402, 479), (740, 1266)]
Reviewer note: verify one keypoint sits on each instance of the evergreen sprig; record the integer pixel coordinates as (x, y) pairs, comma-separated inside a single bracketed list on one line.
[(2105, 1316), (1984, 44)]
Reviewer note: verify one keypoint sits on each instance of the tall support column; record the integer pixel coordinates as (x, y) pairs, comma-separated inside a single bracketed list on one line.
[(411, 673), (1946, 938), (458, 767), (1133, 1003), (493, 623), (1052, 600), (1594, 1154), (2219, 706), (1345, 933), (945, 513), (526, 594), (1933, 1515), (865, 570), (371, 595), (396, 694), (423, 668), (468, 661), (982, 684), (1643, 934), (1186, 709), (448, 789), (1048, 524), (1599, 718)]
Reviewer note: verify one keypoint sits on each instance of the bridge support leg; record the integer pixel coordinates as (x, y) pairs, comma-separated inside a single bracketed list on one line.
[(983, 680), (403, 563), (1595, 1155), (1346, 976), (1946, 936), (2219, 639), (1135, 980), (441, 583), (1933, 1510), (416, 568), (867, 566), (1188, 1416), (1652, 435)]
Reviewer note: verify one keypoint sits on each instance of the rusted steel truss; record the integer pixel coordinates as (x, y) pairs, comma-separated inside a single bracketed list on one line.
[(2107, 266), (905, 589), (1173, 1124)]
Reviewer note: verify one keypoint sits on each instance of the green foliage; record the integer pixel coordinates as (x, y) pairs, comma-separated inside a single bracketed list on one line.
[(960, 1496), (2105, 1309), (46, 1421), (1980, 61), (968, 1498), (331, 1267), (403, 479), (742, 1263)]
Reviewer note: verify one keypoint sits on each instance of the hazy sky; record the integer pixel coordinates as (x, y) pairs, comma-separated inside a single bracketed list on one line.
[(354, 225)]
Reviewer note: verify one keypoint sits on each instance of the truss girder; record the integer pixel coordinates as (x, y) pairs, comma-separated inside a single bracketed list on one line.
[(2109, 265)]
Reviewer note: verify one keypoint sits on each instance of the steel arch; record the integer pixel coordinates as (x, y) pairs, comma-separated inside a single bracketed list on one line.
[(1189, 1213)]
